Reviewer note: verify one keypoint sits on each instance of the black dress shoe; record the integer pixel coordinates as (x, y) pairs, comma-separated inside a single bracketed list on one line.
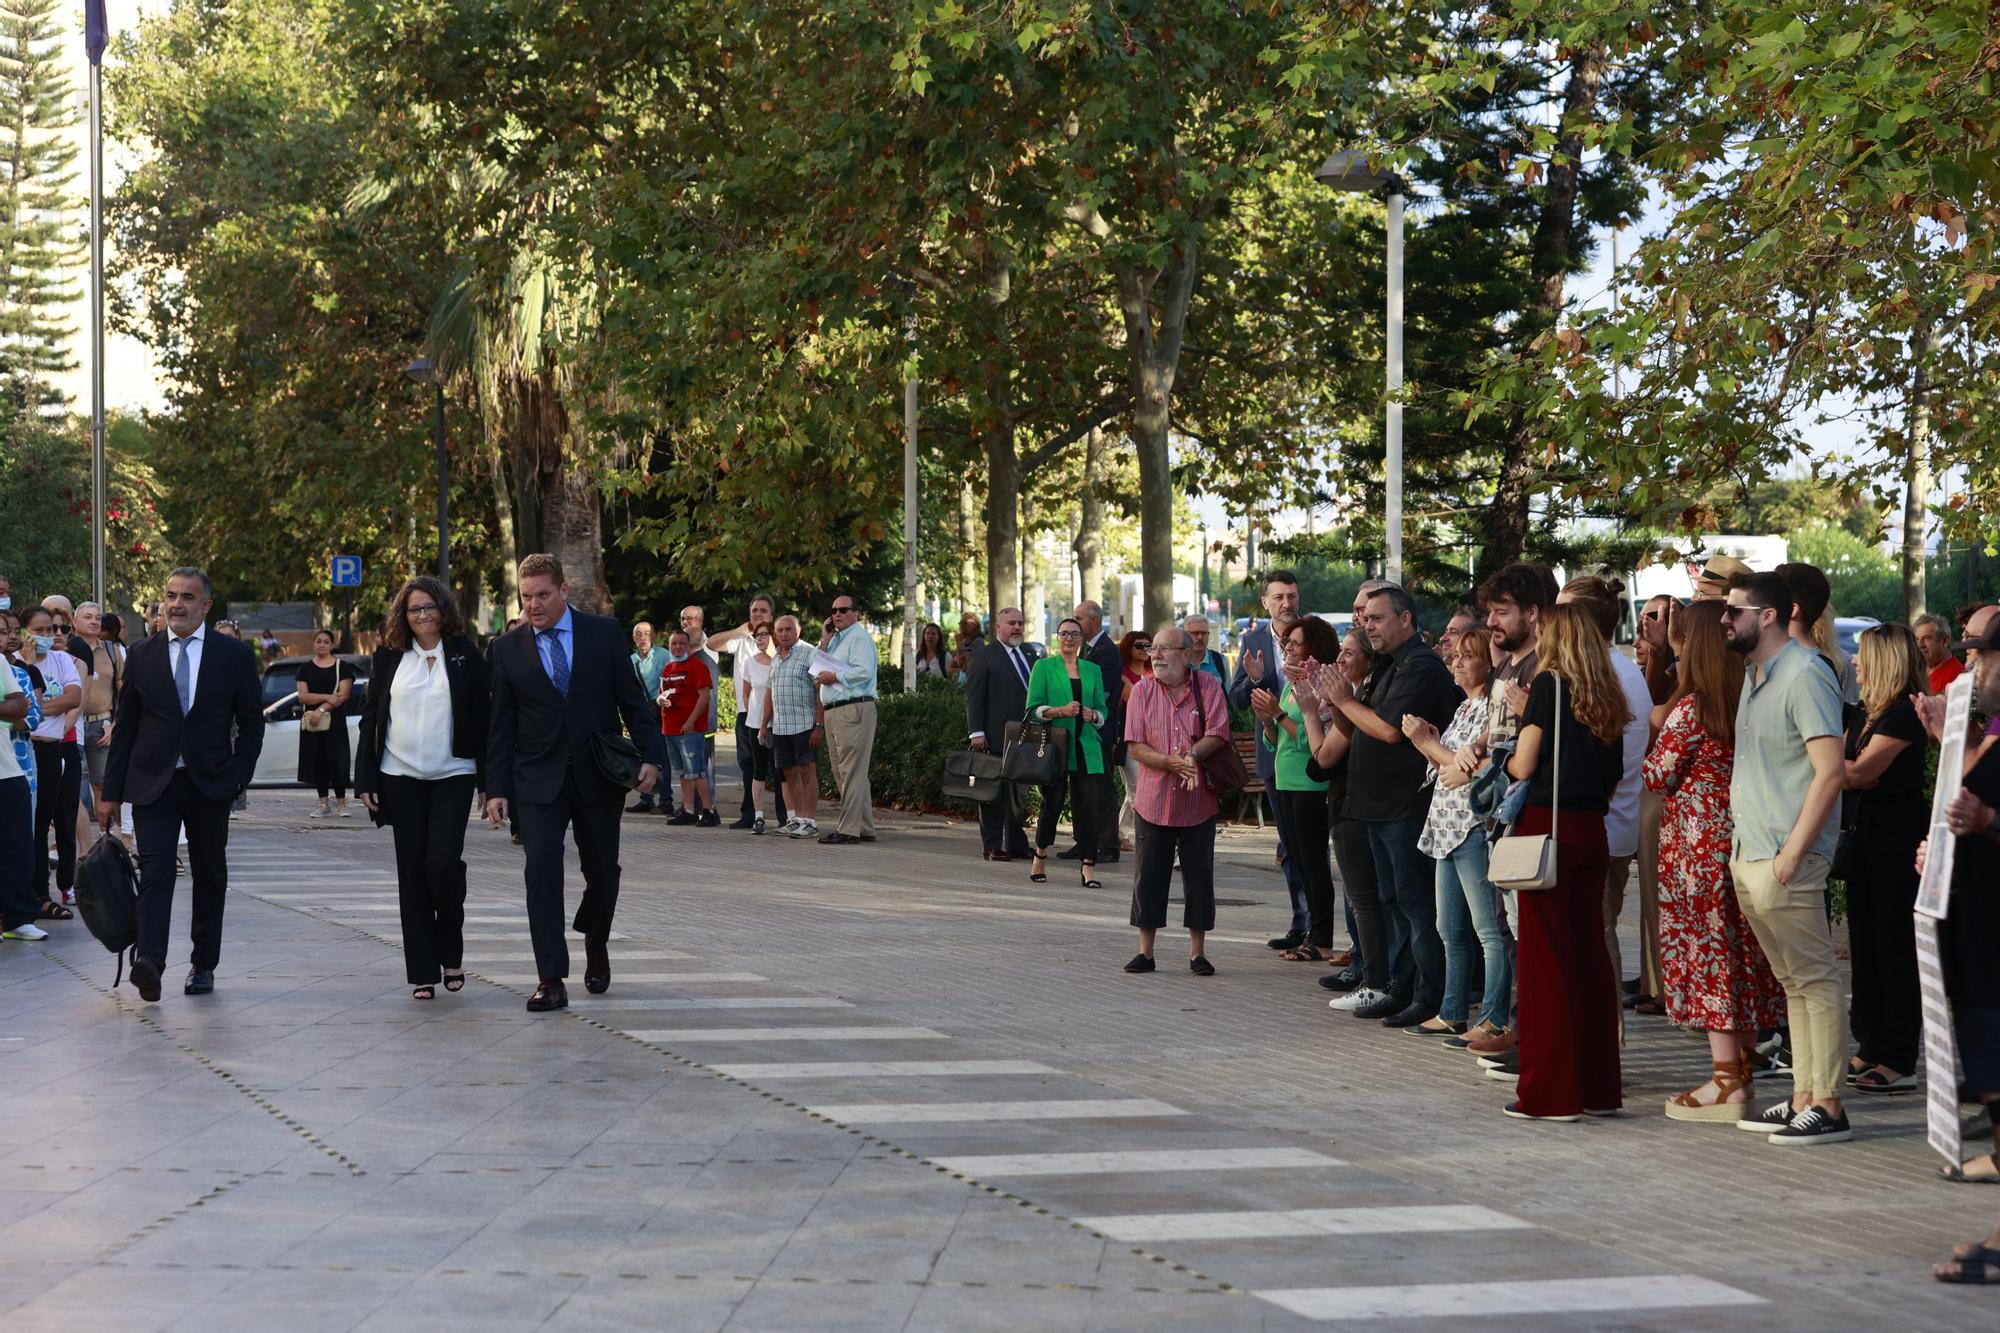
[(1140, 963), (596, 967), (1409, 1017), (837, 839), (1291, 941), (748, 821), (1109, 858), (200, 981), (1382, 1008), (996, 856), (146, 976), (1345, 980), (551, 994), (1072, 854), (867, 837), (644, 806)]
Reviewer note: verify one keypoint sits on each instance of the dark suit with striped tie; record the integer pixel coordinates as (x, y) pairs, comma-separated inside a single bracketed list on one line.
[(996, 693)]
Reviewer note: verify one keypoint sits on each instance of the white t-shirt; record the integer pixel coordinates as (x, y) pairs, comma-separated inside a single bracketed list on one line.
[(1621, 820), (58, 669), (753, 686)]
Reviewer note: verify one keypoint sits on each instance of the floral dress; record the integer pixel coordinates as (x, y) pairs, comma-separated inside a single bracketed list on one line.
[(1717, 977)]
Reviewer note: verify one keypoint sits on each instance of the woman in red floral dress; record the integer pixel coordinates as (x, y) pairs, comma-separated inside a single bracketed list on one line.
[(1717, 978)]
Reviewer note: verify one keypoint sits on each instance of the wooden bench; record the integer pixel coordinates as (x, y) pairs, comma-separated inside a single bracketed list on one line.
[(1253, 790)]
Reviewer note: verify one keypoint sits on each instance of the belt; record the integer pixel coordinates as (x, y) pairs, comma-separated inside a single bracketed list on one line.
[(97, 717), (842, 703)]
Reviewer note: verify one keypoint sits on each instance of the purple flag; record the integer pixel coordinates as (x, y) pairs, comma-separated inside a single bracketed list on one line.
[(96, 31)]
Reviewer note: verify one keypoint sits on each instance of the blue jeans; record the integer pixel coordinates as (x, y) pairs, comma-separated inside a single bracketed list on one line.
[(1295, 882), (1467, 910), (1407, 886)]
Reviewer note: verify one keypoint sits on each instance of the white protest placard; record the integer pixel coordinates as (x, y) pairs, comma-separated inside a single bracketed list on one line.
[(1934, 889), (1940, 1045)]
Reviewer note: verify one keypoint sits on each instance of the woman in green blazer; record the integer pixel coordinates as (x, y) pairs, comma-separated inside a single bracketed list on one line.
[(1069, 691)]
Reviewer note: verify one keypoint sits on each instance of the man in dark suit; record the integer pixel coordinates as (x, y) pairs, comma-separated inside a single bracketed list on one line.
[(1259, 667), (1101, 648), (996, 693), (559, 679), (184, 742)]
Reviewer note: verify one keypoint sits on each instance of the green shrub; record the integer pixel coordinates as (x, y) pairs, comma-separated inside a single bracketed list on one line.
[(913, 734)]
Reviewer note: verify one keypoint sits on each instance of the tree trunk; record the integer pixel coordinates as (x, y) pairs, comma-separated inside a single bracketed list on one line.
[(572, 532), (1917, 477), (1034, 602), (1089, 544), (1155, 349), (510, 551), (1003, 460), (968, 564), (1506, 520)]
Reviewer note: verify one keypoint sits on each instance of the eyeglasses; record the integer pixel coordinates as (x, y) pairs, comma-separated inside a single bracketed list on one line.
[(423, 610), (1731, 612), (1069, 634)]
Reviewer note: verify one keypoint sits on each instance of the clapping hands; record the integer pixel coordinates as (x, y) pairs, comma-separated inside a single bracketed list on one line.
[(1265, 705)]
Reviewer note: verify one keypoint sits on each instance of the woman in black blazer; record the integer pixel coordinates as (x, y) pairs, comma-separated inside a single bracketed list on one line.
[(422, 757)]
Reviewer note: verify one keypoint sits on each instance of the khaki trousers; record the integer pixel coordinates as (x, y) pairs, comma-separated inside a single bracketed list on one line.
[(1647, 861), (1789, 921), (850, 744)]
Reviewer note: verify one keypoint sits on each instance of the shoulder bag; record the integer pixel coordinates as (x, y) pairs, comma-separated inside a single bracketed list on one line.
[(1522, 861), (317, 719), (1224, 768), (1037, 752)]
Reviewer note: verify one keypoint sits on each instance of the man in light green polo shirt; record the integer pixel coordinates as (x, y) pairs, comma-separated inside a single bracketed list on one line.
[(1782, 793)]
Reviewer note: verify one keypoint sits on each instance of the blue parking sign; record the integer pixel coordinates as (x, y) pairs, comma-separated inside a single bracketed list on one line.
[(347, 571)]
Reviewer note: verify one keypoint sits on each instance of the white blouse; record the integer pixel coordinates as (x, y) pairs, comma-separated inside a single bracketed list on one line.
[(419, 741)]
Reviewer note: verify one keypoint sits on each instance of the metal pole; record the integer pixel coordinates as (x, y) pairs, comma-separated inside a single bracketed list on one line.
[(444, 492), (97, 333), (910, 621), (1392, 520)]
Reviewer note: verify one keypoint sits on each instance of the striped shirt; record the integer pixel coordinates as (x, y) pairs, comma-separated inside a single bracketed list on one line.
[(792, 690), (1155, 718)]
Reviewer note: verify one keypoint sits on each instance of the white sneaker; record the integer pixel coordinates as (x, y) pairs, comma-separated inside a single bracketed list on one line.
[(806, 828), (785, 829), (1354, 999), (27, 930), (319, 812)]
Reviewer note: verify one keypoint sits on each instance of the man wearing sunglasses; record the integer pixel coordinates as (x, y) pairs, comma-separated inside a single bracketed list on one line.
[(848, 696), (1782, 794)]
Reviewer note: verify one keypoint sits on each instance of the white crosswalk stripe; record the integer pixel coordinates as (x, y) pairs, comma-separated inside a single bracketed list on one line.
[(672, 1036), (1136, 1160), (1270, 1222), (904, 1113), (1490, 1300), (635, 978), (880, 1068)]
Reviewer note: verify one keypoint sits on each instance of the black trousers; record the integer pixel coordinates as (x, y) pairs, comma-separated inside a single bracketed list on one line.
[(1103, 800), (157, 827), (18, 906), (1357, 871), (1087, 798), (1306, 844), (1153, 872), (1887, 1012), (428, 819), (1002, 822), (58, 773), (748, 765), (542, 827)]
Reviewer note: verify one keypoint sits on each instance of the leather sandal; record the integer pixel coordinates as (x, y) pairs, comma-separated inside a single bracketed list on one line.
[(1730, 1076)]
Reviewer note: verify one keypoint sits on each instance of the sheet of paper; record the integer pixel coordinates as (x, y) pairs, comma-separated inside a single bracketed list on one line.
[(1934, 889), (824, 661), (1940, 1046)]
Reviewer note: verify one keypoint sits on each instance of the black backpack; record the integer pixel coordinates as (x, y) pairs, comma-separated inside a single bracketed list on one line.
[(107, 897)]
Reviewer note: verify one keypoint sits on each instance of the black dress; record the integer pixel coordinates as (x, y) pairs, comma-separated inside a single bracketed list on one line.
[(1889, 820), (1970, 941), (325, 759)]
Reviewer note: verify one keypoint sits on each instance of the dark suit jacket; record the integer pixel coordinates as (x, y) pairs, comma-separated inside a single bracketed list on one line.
[(1111, 666), (465, 670), (994, 694), (1258, 640), (535, 738), (219, 739)]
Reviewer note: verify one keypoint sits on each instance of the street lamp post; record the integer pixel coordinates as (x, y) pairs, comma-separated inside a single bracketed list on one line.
[(422, 371), (1351, 171), (911, 627)]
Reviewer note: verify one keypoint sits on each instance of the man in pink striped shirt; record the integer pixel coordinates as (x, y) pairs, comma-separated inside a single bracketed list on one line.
[(1177, 717)]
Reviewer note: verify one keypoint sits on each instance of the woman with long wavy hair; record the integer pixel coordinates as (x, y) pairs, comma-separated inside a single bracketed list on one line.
[(1567, 1009), (1716, 978), (1885, 771)]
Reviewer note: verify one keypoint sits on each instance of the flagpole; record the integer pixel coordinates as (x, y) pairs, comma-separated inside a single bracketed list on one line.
[(95, 49)]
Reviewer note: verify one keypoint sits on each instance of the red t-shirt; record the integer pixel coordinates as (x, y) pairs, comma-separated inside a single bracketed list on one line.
[(680, 683), (1944, 673)]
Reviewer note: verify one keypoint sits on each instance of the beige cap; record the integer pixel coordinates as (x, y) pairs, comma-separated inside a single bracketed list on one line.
[(55, 601), (1720, 569)]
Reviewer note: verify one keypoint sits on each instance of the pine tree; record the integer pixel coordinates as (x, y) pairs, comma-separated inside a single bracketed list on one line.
[(39, 249)]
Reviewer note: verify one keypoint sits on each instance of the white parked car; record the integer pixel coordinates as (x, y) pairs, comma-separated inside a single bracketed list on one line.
[(278, 764)]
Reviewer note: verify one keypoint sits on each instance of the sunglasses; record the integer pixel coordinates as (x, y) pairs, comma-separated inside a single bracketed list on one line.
[(1731, 612), (843, 610)]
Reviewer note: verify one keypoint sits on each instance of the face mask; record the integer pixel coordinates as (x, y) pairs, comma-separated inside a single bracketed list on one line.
[(6, 602), (44, 642), (677, 657)]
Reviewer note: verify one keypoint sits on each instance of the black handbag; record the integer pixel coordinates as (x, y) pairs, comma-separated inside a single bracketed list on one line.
[(1037, 752), (973, 775), (617, 759), (107, 898)]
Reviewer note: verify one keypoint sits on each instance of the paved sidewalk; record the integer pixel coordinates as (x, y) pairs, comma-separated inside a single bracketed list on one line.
[(887, 1086)]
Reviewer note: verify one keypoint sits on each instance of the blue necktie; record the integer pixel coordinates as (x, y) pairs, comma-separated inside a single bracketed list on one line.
[(1020, 664), (183, 682), (558, 662)]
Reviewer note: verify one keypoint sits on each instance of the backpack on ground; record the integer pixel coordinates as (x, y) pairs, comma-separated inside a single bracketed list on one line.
[(107, 897)]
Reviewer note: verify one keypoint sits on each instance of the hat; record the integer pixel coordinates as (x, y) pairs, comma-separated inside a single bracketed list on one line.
[(1989, 642), (1721, 568)]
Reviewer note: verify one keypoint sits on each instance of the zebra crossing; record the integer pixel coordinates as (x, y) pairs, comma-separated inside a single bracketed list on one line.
[(1025, 1126)]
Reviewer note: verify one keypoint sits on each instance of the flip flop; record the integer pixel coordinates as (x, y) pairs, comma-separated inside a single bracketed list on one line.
[(1303, 953), (1957, 1175), (1978, 1266), (54, 911)]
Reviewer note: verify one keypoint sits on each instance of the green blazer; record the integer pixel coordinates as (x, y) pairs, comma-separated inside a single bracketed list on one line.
[(1048, 687)]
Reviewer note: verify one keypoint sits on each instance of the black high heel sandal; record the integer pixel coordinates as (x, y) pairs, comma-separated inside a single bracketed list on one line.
[(1089, 883), (1040, 876), (454, 982), (424, 993)]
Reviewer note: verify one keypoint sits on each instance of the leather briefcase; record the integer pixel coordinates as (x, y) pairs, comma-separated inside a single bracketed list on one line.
[(973, 775)]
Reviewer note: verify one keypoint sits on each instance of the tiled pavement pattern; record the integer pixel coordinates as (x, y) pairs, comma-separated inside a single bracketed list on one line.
[(871, 1087)]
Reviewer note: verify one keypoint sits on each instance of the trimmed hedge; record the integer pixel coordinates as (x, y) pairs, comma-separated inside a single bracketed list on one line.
[(913, 734)]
